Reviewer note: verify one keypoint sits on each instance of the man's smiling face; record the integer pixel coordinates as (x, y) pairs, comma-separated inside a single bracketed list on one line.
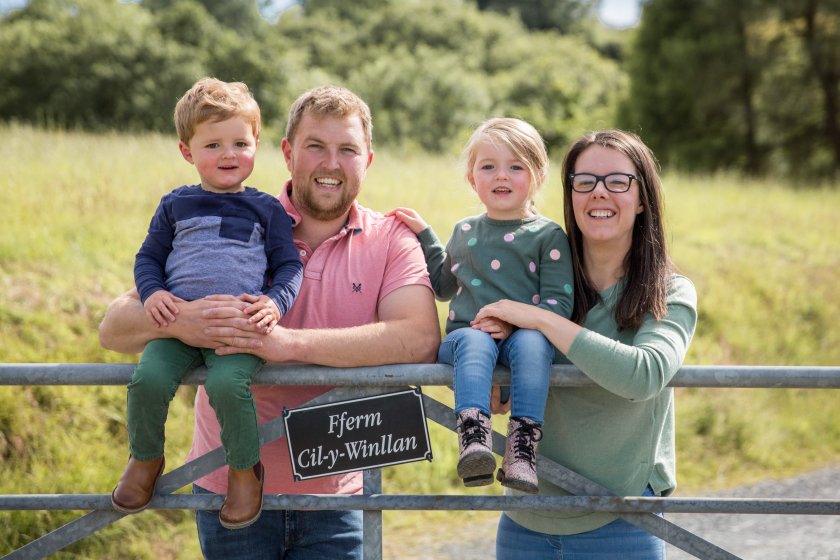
[(328, 160)]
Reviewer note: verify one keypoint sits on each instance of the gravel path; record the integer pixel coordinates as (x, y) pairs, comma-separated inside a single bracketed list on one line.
[(772, 537), (751, 537)]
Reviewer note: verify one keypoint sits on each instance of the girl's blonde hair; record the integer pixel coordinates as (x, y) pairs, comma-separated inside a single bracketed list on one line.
[(521, 138)]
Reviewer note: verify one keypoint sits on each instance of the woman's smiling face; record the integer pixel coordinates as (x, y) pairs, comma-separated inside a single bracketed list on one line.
[(601, 215)]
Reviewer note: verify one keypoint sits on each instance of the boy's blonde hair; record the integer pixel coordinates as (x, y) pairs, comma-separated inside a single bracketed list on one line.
[(210, 99), (329, 101), (523, 140)]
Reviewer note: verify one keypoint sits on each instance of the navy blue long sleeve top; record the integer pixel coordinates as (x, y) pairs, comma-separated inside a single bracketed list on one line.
[(201, 243)]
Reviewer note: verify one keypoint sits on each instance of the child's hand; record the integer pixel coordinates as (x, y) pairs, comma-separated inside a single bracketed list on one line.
[(496, 328), (161, 308), (263, 312), (409, 217)]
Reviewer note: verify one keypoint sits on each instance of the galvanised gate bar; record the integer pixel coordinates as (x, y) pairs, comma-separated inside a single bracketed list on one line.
[(355, 382)]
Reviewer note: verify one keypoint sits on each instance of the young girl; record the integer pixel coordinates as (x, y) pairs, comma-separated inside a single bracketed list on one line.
[(509, 252)]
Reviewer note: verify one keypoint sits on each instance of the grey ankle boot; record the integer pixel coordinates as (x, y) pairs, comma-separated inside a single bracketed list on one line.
[(519, 466), (475, 436)]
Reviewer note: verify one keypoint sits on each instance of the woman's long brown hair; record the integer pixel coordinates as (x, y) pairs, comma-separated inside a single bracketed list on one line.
[(647, 268)]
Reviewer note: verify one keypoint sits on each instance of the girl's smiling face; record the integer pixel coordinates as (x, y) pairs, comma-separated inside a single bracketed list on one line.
[(601, 215), (503, 182)]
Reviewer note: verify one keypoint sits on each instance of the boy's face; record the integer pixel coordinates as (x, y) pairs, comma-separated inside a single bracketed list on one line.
[(223, 153)]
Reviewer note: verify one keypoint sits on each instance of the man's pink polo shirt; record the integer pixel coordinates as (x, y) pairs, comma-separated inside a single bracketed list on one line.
[(344, 280)]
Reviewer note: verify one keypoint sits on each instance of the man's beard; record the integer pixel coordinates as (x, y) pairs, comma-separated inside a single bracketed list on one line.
[(305, 202)]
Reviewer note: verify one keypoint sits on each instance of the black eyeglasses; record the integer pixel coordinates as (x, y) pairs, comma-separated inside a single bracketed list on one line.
[(614, 182)]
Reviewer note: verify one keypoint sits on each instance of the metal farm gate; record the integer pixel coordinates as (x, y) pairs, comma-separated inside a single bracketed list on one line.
[(355, 382)]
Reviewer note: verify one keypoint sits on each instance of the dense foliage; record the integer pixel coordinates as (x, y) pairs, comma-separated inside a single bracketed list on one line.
[(752, 86), (749, 85), (430, 69)]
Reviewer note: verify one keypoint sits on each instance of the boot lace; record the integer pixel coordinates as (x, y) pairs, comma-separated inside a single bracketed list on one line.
[(473, 430), (523, 444)]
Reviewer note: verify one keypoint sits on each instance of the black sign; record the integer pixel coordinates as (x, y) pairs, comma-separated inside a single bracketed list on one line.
[(357, 434)]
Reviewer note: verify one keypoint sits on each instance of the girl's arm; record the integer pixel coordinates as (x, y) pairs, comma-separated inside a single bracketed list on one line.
[(560, 331), (437, 260), (439, 265)]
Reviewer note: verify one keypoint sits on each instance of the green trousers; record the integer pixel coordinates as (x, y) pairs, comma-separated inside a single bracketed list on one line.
[(156, 378)]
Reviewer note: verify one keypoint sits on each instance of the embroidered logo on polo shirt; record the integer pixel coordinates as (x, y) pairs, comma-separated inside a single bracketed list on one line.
[(357, 288)]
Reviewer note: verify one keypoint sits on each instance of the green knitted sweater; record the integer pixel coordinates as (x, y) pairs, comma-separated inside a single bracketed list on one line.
[(487, 260), (619, 433)]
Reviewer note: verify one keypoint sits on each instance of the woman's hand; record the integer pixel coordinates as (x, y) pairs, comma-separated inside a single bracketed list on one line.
[(561, 332)]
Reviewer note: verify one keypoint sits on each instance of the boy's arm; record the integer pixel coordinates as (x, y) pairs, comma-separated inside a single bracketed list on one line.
[(284, 266), (150, 262)]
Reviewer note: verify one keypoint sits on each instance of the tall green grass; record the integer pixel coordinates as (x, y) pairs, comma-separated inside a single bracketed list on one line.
[(75, 207)]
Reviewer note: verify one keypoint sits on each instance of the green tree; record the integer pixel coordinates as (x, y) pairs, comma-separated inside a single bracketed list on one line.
[(260, 60), (559, 84), (562, 15), (240, 15), (430, 68), (90, 63), (750, 85), (817, 22), (422, 99), (693, 74)]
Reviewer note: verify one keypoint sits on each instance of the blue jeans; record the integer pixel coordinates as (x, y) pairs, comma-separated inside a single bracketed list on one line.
[(282, 534), (618, 539), (474, 354)]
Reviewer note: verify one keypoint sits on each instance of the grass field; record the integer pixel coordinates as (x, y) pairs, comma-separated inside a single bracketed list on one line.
[(75, 207)]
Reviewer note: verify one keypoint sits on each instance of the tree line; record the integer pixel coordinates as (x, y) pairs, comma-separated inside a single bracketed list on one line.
[(750, 85)]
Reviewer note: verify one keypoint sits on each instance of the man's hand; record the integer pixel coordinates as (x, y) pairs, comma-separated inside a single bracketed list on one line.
[(407, 331), (230, 327), (263, 311), (126, 329), (162, 308)]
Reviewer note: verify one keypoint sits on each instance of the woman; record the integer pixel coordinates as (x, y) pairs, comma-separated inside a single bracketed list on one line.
[(632, 322)]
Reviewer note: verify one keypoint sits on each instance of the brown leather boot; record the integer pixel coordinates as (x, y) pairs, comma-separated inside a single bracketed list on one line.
[(136, 487), (244, 500)]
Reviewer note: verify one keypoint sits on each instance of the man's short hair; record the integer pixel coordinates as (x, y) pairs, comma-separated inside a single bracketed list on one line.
[(210, 99), (330, 101)]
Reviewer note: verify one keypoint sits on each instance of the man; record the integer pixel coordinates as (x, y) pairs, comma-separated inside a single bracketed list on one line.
[(365, 300)]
